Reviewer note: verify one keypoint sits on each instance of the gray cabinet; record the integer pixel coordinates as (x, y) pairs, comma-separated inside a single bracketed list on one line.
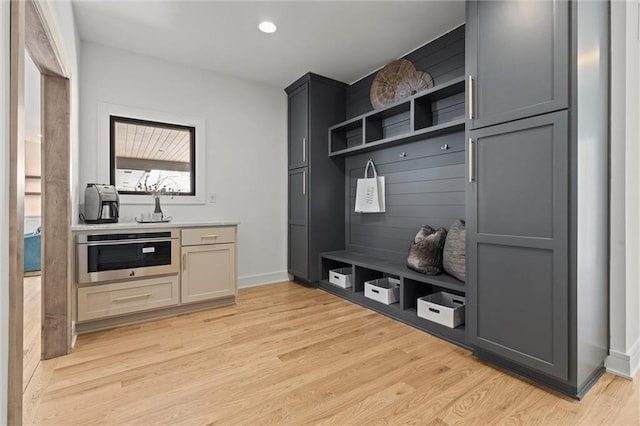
[(517, 58), (298, 127), (298, 223), (537, 192), (517, 228), (316, 182)]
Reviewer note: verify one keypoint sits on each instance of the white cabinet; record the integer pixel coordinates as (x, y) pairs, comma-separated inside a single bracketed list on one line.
[(204, 276), (108, 300), (208, 263)]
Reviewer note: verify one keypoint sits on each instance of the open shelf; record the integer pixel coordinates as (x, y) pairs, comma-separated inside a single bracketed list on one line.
[(394, 268), (346, 135), (430, 113), (413, 285)]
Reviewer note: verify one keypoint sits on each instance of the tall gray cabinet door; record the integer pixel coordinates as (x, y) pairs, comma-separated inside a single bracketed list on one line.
[(517, 242), (517, 59), (299, 223), (299, 127)]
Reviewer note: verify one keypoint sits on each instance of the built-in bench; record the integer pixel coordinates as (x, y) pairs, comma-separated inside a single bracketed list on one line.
[(413, 285)]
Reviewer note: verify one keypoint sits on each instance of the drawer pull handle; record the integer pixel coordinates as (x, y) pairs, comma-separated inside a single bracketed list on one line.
[(210, 236), (471, 98), (437, 311), (375, 291), (472, 171), (134, 297)]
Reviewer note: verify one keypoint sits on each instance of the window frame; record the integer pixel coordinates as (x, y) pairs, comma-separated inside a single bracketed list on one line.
[(113, 119)]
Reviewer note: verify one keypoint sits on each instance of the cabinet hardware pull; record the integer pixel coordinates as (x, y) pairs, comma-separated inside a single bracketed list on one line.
[(126, 298), (471, 170), (184, 262), (209, 236), (304, 182), (470, 98), (304, 150)]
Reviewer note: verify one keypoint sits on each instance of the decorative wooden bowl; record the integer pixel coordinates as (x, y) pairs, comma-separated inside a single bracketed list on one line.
[(396, 81)]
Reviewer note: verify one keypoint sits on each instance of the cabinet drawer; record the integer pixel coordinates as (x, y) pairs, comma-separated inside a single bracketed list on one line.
[(102, 301), (210, 235)]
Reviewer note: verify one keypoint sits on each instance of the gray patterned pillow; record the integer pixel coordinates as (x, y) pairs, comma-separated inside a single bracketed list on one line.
[(454, 256), (425, 253)]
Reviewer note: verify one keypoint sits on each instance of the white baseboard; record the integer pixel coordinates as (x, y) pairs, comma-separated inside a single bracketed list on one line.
[(625, 365), (262, 279)]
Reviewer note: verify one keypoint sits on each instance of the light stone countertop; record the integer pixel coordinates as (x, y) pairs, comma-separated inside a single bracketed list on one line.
[(83, 227)]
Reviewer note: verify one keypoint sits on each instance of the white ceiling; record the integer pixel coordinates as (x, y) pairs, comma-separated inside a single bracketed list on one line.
[(344, 40)]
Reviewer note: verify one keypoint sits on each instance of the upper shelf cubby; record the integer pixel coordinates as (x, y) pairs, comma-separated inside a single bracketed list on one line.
[(429, 113)]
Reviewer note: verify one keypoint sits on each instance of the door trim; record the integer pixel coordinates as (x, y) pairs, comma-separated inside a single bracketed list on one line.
[(32, 28)]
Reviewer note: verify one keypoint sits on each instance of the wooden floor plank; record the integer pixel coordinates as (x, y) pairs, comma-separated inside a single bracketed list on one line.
[(287, 354)]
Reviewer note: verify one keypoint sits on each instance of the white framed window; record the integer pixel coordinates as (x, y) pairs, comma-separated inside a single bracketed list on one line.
[(145, 152)]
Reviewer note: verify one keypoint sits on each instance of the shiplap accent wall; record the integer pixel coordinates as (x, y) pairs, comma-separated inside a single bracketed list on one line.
[(443, 59), (424, 187), (425, 183)]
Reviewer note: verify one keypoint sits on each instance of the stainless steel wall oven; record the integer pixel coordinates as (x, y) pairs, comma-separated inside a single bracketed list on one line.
[(114, 255)]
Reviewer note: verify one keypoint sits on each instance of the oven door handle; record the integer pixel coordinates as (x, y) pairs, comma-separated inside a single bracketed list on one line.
[(122, 242)]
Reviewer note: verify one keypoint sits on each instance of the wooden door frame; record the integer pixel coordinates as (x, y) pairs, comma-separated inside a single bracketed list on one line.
[(32, 29)]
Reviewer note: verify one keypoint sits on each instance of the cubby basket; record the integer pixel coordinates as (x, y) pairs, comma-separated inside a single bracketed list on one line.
[(442, 307), (341, 277), (383, 290)]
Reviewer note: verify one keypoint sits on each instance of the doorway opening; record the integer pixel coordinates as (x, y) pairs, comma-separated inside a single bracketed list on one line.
[(32, 30)]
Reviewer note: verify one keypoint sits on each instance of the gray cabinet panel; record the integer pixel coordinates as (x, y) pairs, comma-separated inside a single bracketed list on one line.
[(298, 198), (298, 127), (517, 242), (299, 251), (523, 206), (518, 58), (515, 299)]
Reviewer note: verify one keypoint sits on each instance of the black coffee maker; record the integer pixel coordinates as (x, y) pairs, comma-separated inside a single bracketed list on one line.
[(101, 203)]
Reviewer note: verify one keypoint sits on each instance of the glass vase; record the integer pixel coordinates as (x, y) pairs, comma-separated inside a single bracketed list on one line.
[(158, 209)]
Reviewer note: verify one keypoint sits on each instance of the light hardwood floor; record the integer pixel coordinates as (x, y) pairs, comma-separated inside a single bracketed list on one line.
[(286, 354)]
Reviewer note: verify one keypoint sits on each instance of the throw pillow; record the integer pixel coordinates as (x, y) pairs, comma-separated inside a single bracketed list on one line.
[(454, 255), (425, 253)]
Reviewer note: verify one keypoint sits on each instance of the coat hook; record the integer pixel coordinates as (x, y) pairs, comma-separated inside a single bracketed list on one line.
[(445, 146), (403, 154)]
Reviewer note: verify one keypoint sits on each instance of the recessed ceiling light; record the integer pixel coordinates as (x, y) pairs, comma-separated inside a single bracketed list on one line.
[(267, 27)]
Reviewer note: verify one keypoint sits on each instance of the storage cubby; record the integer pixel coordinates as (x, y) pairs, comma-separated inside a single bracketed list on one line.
[(330, 264), (346, 135), (412, 291), (430, 113), (443, 106), (388, 123), (364, 274)]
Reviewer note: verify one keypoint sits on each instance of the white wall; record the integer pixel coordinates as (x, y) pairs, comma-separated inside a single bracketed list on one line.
[(624, 295), (245, 145), (4, 207), (66, 29)]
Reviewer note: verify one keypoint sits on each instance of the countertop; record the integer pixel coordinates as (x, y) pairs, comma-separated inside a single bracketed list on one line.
[(135, 225)]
